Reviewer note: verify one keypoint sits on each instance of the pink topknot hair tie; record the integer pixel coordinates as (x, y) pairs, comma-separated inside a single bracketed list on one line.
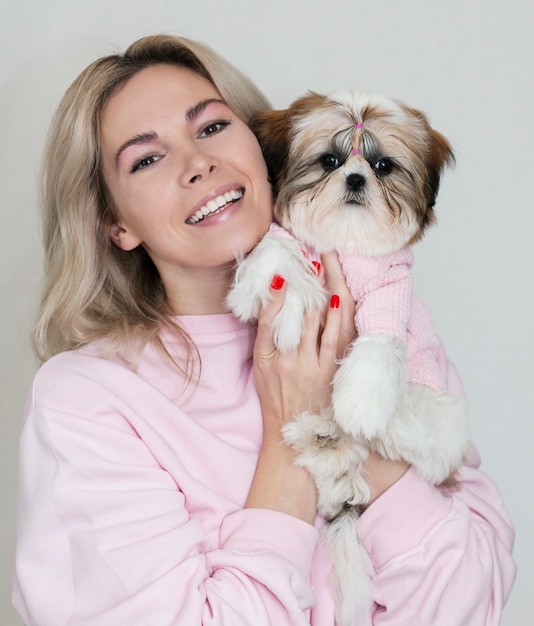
[(358, 125)]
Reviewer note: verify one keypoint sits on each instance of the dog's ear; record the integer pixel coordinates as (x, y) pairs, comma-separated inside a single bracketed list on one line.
[(272, 129), (439, 157)]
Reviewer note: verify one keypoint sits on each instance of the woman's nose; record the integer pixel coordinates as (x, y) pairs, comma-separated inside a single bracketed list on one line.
[(198, 166), (199, 176)]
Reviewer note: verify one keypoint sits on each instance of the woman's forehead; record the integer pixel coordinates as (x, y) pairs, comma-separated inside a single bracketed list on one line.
[(162, 81)]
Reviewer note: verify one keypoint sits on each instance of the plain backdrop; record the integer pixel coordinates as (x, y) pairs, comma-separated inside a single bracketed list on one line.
[(467, 63)]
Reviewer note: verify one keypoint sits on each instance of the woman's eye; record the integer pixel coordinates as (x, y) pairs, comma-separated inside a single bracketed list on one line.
[(383, 166), (330, 161), (213, 128), (145, 162)]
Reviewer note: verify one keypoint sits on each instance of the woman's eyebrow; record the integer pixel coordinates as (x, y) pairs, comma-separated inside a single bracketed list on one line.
[(190, 115), (134, 141), (197, 109)]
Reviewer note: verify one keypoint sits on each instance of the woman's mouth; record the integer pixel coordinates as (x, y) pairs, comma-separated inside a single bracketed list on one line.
[(217, 205)]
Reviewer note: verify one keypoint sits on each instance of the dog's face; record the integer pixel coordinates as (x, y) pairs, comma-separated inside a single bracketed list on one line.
[(353, 172)]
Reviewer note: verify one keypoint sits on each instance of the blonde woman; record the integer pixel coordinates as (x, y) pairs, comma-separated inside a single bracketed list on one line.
[(155, 488)]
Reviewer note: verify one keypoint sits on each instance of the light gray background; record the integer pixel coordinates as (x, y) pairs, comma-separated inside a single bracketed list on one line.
[(468, 63)]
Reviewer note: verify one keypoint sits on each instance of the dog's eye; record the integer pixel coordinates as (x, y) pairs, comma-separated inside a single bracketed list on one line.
[(330, 161), (383, 167)]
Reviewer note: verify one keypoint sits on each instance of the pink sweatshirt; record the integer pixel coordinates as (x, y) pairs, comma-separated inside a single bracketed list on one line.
[(131, 509)]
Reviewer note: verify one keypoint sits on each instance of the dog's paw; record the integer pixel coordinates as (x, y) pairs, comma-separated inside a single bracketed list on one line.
[(250, 289), (312, 434), (333, 459), (368, 383)]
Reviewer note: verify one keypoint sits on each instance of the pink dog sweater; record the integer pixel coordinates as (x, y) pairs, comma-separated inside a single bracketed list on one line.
[(382, 288)]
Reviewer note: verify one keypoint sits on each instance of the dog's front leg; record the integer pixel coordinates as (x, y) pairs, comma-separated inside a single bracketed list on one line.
[(367, 384), (333, 459), (250, 290)]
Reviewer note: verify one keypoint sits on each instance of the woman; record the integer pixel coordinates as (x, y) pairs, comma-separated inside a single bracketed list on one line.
[(155, 487)]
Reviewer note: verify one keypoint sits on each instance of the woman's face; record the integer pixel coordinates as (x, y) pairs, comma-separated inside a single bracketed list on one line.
[(187, 176)]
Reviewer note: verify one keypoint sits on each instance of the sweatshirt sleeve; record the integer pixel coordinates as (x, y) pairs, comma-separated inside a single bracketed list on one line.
[(440, 558), (105, 537)]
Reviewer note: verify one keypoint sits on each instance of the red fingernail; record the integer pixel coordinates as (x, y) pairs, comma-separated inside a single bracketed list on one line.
[(277, 282), (334, 302), (317, 266)]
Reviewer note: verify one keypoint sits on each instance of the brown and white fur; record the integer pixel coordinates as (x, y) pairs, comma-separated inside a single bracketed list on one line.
[(356, 173)]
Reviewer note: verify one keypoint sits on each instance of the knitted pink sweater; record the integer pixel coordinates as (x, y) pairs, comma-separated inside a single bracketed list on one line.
[(382, 289)]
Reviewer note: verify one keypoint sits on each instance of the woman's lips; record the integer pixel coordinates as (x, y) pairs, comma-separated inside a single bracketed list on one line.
[(215, 205)]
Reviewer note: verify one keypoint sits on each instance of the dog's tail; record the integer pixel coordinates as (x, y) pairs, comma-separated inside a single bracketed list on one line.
[(352, 573)]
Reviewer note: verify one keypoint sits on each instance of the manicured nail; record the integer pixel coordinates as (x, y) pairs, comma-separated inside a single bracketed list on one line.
[(334, 302), (277, 282), (317, 266)]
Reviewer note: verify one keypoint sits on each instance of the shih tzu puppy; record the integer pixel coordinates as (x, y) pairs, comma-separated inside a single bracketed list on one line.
[(358, 173)]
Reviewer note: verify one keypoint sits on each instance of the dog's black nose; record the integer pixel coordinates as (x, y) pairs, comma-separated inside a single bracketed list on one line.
[(355, 182)]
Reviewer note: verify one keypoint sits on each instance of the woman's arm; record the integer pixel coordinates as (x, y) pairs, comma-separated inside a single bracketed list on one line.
[(121, 522), (441, 558)]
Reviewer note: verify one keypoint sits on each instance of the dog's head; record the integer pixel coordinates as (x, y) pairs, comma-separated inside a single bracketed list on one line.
[(354, 172)]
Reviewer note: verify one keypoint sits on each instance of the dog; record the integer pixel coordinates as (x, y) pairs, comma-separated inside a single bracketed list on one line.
[(358, 173)]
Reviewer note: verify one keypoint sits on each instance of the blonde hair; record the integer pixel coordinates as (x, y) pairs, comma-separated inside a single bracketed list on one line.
[(92, 288)]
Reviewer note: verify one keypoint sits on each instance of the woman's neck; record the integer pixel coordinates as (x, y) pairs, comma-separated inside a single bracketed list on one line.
[(199, 291)]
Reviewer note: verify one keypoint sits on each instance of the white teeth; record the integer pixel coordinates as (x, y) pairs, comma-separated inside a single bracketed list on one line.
[(215, 205)]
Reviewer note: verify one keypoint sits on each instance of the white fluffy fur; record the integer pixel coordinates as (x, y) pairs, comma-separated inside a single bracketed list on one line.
[(353, 570), (429, 430)]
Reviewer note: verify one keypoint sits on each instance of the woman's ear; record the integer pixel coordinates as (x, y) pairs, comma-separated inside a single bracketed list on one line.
[(122, 238)]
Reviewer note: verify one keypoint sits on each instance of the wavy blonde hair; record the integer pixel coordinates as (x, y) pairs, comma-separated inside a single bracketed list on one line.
[(92, 288)]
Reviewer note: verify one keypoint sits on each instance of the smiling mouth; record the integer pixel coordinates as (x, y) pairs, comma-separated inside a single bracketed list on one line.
[(217, 205)]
